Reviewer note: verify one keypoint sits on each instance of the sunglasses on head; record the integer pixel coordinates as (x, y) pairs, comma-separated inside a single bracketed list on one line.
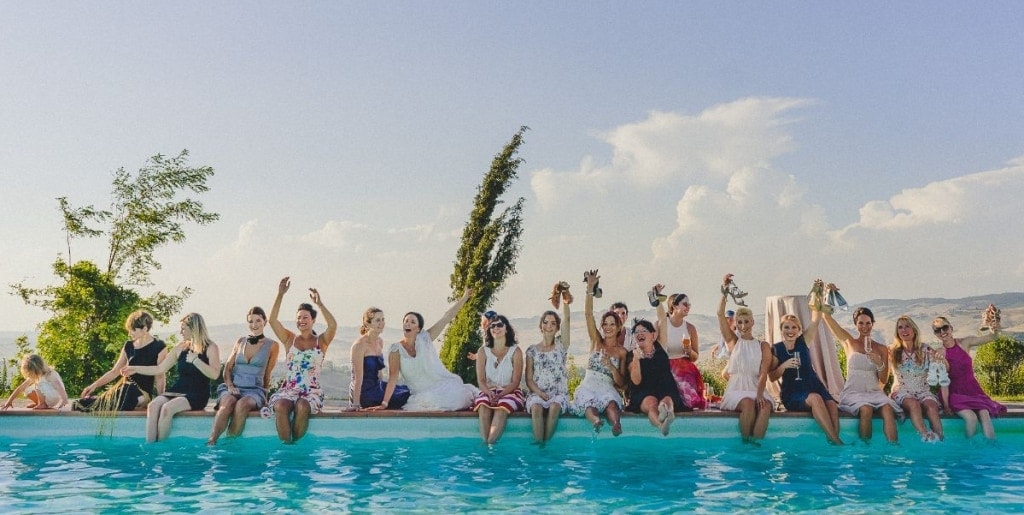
[(490, 315), (941, 329), (496, 325)]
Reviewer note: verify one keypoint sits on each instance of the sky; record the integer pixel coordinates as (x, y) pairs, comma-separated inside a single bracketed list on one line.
[(877, 145)]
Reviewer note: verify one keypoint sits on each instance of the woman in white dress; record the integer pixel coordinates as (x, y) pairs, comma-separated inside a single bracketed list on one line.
[(867, 369), (546, 376), (432, 387), (606, 367), (747, 370)]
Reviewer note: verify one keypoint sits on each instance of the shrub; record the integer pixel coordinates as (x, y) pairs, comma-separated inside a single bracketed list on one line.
[(997, 364)]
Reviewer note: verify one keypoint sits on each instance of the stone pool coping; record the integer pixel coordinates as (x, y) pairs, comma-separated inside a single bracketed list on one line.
[(22, 423)]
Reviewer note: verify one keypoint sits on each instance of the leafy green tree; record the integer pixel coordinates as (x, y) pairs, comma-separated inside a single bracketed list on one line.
[(10, 369), (996, 364), (486, 257), (149, 210)]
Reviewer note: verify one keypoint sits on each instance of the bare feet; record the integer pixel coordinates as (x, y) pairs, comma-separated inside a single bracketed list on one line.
[(598, 424), (617, 428)]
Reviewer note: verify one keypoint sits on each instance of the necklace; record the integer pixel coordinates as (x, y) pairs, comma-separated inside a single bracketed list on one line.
[(643, 354), (253, 340)]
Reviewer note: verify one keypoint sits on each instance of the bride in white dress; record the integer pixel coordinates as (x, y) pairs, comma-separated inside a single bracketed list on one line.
[(432, 387)]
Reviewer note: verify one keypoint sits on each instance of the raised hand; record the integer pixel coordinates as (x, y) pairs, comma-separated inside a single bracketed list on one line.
[(282, 288)]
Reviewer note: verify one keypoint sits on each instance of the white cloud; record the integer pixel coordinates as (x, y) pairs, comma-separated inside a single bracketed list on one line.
[(336, 235)]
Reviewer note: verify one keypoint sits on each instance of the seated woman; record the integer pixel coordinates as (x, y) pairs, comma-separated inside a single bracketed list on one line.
[(867, 370), (300, 395), (683, 349), (246, 378), (546, 376), (965, 396), (747, 370), (198, 362), (650, 386), (432, 387), (606, 367), (366, 389), (131, 392), (802, 389), (910, 363), (42, 385), (499, 375)]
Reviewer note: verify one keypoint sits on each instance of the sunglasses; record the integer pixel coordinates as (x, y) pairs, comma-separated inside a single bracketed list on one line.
[(941, 329), (490, 315), (496, 325)]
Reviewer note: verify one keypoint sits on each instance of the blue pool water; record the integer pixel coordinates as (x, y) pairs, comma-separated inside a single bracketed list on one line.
[(584, 475)]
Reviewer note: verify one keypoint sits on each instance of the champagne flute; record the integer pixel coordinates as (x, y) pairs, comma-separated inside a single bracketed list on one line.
[(796, 356)]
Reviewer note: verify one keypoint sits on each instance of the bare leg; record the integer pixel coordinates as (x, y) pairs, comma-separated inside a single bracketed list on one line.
[(865, 429), (912, 408), (889, 423), (931, 411), (36, 399), (649, 407), (220, 420), (970, 422), (153, 417), (242, 409), (537, 418), (670, 415), (827, 417), (554, 411), (167, 413), (301, 424), (497, 425), (761, 424), (748, 414), (283, 410), (986, 424), (486, 414), (614, 416), (593, 418)]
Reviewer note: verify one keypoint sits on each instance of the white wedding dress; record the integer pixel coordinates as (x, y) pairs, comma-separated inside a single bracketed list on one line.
[(432, 387)]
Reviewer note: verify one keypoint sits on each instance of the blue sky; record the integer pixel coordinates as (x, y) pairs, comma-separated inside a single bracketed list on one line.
[(878, 145)]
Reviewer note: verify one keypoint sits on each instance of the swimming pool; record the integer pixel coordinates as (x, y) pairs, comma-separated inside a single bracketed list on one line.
[(703, 467)]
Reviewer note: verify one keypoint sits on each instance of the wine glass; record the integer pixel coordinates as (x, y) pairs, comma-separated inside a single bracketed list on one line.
[(796, 357)]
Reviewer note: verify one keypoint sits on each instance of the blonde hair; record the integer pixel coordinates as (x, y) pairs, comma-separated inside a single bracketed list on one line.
[(33, 367), (897, 344), (740, 312), (200, 340), (368, 319), (790, 318)]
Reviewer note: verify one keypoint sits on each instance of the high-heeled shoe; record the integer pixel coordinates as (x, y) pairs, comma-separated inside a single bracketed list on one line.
[(566, 296), (556, 295)]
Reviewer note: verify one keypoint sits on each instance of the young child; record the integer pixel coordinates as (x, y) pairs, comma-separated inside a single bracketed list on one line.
[(43, 385)]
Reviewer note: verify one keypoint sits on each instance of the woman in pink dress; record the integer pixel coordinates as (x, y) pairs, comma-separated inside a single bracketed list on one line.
[(964, 395), (682, 347)]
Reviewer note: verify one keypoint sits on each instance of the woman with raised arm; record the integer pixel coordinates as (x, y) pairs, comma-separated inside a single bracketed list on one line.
[(649, 383), (867, 370), (432, 387), (802, 389), (683, 349), (300, 395), (546, 376), (910, 364), (747, 370), (606, 367), (198, 362), (246, 377), (964, 395), (366, 390), (499, 372)]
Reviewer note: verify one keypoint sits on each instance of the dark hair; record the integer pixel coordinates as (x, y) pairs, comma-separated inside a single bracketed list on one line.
[(419, 318), (619, 304), (510, 334), (258, 311), (138, 319), (305, 306), (863, 311), (558, 319), (646, 324)]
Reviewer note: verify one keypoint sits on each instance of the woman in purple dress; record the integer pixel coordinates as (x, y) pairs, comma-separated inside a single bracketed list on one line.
[(964, 395)]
